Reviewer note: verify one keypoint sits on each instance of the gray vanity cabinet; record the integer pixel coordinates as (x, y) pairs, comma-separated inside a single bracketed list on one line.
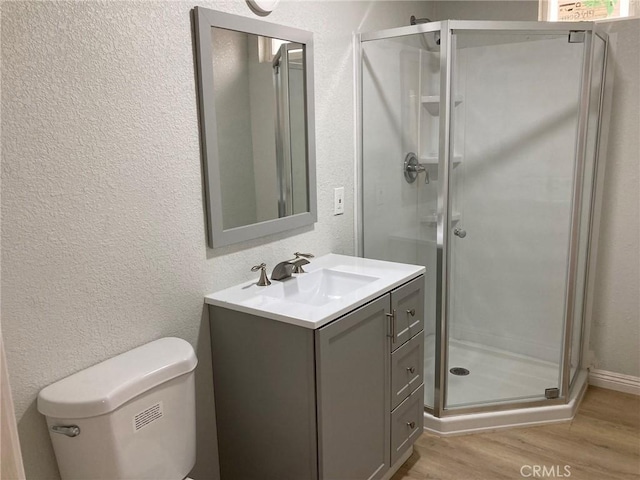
[(352, 358), (297, 403)]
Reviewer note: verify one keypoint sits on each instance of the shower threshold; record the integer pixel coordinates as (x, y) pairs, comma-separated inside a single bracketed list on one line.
[(521, 417)]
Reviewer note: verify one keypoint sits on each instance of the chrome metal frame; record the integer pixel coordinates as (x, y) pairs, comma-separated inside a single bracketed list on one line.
[(401, 31), (282, 131), (574, 236), (443, 224), (542, 28), (445, 164), (596, 197), (282, 67)]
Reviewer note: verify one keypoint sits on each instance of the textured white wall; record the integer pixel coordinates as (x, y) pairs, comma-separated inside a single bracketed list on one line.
[(103, 230), (615, 333), (485, 10)]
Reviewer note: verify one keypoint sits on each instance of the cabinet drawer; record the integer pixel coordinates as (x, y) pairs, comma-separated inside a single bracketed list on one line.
[(407, 302), (406, 423), (407, 369)]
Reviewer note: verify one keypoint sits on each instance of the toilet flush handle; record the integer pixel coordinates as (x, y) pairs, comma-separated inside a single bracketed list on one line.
[(68, 430)]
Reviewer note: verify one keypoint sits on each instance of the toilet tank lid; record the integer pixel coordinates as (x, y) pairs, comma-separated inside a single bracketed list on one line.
[(104, 387)]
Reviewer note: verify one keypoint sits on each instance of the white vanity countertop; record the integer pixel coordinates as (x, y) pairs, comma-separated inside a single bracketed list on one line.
[(313, 301)]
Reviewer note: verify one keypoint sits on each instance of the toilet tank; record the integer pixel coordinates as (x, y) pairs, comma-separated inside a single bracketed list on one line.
[(129, 417)]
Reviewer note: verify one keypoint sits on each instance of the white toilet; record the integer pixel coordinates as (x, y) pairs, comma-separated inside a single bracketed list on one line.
[(129, 417)]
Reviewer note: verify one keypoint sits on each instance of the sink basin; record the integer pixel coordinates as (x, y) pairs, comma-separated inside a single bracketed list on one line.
[(333, 285), (319, 287)]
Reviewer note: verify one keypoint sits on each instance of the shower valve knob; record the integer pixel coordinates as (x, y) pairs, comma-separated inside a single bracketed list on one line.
[(458, 232)]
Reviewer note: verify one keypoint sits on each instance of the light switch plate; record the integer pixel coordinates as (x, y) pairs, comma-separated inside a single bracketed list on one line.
[(338, 201)]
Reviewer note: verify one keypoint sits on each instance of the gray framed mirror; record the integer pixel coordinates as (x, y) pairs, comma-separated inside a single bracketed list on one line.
[(255, 93)]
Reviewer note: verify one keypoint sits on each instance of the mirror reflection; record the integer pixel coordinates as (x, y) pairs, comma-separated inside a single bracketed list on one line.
[(259, 92)]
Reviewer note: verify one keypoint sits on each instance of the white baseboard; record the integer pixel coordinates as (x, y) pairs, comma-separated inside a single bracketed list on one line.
[(614, 381)]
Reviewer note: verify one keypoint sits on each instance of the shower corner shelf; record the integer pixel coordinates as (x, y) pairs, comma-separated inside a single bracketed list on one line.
[(432, 160), (432, 103), (432, 218)]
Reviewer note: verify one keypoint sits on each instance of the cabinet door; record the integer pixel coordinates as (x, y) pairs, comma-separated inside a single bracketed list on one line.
[(352, 374), (408, 304)]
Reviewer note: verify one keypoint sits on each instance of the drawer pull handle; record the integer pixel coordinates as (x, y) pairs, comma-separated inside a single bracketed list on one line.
[(412, 312), (411, 369), (411, 424)]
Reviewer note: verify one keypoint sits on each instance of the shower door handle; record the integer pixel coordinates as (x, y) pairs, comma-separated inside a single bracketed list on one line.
[(458, 232)]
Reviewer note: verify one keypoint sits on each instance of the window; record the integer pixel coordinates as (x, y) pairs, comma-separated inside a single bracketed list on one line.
[(584, 10)]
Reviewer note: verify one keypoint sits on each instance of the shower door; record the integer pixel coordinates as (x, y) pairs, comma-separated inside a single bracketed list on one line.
[(514, 123)]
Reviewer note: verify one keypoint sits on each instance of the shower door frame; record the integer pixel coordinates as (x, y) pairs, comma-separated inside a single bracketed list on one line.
[(447, 29)]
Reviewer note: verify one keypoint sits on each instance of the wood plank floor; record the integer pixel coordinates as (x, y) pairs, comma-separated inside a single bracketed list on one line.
[(601, 443)]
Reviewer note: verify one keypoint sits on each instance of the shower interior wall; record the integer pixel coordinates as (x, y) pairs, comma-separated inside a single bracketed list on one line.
[(508, 276)]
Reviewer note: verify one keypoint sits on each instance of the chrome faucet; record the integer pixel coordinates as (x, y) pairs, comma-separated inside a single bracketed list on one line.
[(285, 269)]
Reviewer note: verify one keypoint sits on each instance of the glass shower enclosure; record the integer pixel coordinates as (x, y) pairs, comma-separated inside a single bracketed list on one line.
[(478, 154)]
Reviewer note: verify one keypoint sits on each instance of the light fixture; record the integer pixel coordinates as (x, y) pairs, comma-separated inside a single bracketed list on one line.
[(264, 7)]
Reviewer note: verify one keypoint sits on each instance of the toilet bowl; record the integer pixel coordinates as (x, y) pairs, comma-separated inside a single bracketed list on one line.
[(129, 417)]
